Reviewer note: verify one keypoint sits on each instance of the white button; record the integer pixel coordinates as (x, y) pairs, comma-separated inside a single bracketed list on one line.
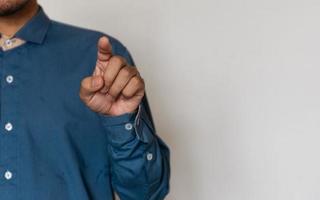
[(8, 126), (149, 156), (8, 175), (9, 79), (128, 126), (8, 43)]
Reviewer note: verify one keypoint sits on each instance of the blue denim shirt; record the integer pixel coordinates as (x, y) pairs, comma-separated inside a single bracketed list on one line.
[(52, 146)]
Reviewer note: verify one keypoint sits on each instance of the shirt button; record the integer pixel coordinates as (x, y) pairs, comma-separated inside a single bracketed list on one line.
[(8, 126), (9, 79), (8, 175), (128, 126), (8, 43), (149, 156)]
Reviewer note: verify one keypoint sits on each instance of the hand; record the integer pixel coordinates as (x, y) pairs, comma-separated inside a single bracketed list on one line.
[(115, 87)]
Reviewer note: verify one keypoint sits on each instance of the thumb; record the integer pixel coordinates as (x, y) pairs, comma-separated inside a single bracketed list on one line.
[(89, 86)]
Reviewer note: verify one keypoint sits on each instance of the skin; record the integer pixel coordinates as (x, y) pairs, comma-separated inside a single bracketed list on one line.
[(14, 14), (113, 89)]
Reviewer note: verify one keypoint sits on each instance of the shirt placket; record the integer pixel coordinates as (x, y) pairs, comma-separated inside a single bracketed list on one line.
[(9, 121)]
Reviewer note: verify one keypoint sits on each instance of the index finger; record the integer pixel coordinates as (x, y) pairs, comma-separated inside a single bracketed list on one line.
[(104, 49)]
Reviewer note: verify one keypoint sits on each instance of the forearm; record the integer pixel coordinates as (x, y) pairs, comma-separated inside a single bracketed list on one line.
[(139, 158)]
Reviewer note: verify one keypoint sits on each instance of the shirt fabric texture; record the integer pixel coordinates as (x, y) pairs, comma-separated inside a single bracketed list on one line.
[(52, 146)]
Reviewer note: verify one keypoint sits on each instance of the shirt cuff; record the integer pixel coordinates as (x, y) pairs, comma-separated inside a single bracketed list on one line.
[(110, 120), (139, 120)]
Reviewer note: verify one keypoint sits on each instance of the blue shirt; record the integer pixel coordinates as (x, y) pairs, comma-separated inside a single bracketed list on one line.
[(52, 146)]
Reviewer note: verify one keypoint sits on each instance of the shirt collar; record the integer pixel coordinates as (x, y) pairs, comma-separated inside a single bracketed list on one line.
[(36, 28)]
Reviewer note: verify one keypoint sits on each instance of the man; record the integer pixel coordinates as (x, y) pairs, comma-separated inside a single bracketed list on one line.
[(75, 119)]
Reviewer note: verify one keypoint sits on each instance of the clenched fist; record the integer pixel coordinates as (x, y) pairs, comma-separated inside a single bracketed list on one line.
[(115, 87)]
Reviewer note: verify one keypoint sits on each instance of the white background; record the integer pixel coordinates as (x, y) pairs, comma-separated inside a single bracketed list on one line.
[(233, 86)]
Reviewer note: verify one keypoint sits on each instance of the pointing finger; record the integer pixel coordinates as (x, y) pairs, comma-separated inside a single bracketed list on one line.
[(104, 53), (104, 49)]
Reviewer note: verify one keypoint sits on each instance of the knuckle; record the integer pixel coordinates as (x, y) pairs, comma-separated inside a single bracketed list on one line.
[(142, 81), (127, 94), (126, 71), (118, 60), (134, 70), (143, 85), (136, 81), (139, 82)]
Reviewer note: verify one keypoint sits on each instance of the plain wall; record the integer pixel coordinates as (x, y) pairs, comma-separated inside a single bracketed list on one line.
[(233, 86)]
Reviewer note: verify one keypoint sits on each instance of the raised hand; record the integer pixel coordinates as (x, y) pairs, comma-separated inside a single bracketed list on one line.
[(115, 87)]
